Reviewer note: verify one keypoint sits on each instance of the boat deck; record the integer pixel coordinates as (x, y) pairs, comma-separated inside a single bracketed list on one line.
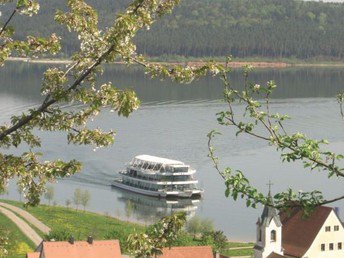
[(160, 193)]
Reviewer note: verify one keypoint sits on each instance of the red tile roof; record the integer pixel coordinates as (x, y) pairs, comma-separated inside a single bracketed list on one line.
[(187, 252), (274, 255), (33, 255), (298, 233), (82, 249)]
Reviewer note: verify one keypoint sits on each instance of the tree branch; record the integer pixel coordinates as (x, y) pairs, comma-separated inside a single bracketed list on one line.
[(8, 21), (237, 184), (47, 103), (332, 200)]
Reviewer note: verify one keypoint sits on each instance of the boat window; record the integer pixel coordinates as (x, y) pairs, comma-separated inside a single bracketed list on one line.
[(181, 169), (168, 169)]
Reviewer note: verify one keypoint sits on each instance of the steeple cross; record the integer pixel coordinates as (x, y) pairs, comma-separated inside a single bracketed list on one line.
[(270, 184)]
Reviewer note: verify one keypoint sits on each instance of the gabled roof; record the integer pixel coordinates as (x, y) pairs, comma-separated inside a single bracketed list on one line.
[(298, 233), (187, 252), (269, 214), (274, 255), (81, 249)]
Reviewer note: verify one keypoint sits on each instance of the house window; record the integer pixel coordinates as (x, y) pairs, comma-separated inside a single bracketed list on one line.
[(339, 246), (336, 228), (273, 236), (331, 247), (260, 235), (328, 228), (322, 247)]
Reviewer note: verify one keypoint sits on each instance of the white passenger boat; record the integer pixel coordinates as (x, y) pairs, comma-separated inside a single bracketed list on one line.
[(158, 177)]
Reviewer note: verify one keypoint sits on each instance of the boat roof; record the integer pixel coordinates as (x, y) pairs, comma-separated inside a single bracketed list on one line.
[(155, 159)]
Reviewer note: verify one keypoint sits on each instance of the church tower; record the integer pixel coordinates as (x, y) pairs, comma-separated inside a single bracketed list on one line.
[(269, 232)]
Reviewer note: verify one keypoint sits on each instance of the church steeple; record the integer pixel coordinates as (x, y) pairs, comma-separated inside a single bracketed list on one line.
[(270, 213), (269, 230)]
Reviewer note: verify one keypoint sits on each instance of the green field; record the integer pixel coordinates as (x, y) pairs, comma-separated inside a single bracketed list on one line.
[(19, 244), (239, 252), (80, 224)]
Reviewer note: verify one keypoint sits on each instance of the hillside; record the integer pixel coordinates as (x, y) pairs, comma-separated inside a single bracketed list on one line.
[(243, 28)]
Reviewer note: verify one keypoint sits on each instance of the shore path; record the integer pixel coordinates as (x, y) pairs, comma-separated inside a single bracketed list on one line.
[(23, 226), (241, 248), (28, 217)]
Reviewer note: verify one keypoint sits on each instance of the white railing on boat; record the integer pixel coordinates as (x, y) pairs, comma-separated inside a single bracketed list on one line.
[(162, 182)]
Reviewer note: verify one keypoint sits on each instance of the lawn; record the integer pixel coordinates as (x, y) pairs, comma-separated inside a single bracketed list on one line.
[(239, 252), (66, 221), (239, 244), (19, 244), (81, 224)]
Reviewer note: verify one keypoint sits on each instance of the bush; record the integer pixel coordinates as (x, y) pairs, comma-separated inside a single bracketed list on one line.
[(23, 248), (207, 226), (121, 235), (198, 226), (216, 239), (183, 239), (58, 235), (194, 226)]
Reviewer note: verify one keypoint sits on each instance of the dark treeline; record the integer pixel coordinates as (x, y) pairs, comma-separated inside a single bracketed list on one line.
[(199, 28)]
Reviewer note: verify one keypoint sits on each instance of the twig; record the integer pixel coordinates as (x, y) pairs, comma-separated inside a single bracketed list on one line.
[(8, 21), (341, 109), (25, 120)]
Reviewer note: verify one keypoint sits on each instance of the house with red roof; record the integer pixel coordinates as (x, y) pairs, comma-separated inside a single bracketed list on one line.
[(111, 249), (189, 252), (78, 249), (293, 235)]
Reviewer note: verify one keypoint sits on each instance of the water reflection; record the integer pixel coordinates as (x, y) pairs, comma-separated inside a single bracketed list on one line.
[(23, 80), (148, 209)]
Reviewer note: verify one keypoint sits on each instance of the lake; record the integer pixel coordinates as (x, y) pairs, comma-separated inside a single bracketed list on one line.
[(173, 122)]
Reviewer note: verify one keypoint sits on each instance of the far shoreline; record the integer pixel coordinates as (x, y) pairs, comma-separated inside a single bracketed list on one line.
[(234, 64)]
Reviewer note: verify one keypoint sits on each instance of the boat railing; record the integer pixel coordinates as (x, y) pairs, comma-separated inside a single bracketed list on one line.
[(139, 186), (142, 177), (147, 171), (156, 179), (159, 169)]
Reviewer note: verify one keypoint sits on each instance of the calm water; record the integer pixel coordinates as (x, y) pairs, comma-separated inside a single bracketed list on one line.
[(173, 122)]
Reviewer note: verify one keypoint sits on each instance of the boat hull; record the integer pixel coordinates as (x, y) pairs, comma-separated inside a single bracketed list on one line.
[(119, 184)]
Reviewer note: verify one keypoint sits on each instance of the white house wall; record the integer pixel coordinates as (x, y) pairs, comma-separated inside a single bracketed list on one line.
[(326, 238)]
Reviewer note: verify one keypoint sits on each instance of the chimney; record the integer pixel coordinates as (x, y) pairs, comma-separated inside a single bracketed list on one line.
[(71, 240), (90, 240)]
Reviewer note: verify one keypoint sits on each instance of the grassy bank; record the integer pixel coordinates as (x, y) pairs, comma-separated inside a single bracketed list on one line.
[(238, 252), (81, 224), (19, 244)]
